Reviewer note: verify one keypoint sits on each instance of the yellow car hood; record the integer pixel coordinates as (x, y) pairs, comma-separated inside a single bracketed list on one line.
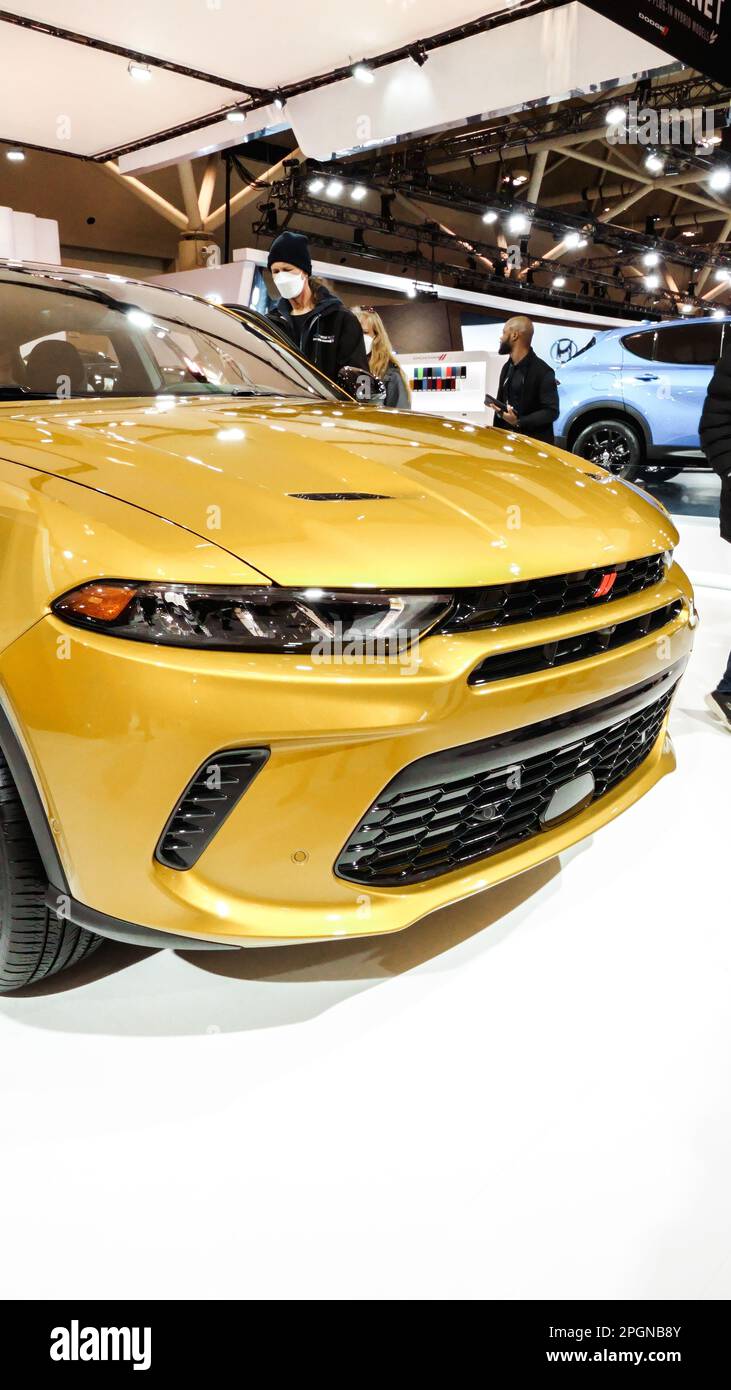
[(452, 504)]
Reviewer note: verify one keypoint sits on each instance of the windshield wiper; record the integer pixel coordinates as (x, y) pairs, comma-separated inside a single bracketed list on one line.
[(247, 391), (591, 343), (21, 393), (217, 391)]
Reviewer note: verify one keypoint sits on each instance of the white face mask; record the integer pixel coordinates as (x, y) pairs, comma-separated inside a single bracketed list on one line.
[(290, 283), (368, 340)]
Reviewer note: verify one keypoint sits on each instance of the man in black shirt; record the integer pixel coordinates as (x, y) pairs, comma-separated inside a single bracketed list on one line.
[(527, 385)]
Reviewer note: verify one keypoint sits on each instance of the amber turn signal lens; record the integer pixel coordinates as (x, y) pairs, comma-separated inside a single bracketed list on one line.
[(104, 602)]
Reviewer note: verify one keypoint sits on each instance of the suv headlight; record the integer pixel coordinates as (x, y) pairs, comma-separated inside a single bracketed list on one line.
[(249, 619)]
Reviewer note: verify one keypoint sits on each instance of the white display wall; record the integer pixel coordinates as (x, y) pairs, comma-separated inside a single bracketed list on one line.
[(556, 343), (24, 237), (452, 383)]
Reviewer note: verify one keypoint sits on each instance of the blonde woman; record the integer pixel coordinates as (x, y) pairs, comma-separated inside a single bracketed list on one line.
[(382, 360)]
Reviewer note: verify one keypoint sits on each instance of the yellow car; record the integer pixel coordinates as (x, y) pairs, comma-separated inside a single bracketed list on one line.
[(277, 667)]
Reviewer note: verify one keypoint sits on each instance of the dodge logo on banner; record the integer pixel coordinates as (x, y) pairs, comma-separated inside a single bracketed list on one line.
[(698, 32)]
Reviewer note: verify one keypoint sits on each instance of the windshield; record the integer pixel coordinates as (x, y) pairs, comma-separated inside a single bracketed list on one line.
[(69, 335)]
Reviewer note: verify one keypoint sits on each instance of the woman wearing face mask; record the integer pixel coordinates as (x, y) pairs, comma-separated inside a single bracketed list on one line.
[(382, 360), (308, 313)]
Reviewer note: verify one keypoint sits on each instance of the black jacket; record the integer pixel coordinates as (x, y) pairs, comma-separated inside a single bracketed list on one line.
[(716, 433), (539, 405), (333, 336)]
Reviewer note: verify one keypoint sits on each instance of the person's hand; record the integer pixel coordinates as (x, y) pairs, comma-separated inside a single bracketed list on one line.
[(509, 416)]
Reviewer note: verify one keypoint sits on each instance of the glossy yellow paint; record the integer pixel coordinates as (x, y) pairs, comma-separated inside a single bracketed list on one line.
[(199, 491)]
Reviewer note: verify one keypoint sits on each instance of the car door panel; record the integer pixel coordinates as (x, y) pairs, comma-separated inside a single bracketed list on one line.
[(666, 373)]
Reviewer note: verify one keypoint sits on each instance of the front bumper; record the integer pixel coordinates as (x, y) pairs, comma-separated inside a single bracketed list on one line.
[(115, 730)]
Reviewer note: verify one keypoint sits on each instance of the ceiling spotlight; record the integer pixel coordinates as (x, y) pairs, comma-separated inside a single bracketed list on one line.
[(411, 291), (518, 222), (723, 275), (572, 240), (316, 185), (214, 297), (363, 73), (652, 282), (690, 234), (718, 314), (140, 72), (559, 282), (519, 179), (616, 115), (418, 54), (651, 258), (358, 192), (334, 188), (279, 101), (236, 116), (15, 156), (687, 306), (489, 217), (720, 179), (654, 163)]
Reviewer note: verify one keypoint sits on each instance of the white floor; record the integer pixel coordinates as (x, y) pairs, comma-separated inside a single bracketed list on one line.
[(527, 1096)]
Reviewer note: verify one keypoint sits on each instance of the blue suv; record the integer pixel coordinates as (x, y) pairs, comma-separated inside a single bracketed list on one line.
[(632, 400)]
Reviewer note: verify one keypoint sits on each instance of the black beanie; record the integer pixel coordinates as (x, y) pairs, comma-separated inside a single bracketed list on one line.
[(292, 248)]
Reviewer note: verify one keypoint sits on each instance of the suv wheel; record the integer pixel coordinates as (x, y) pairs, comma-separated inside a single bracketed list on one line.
[(612, 444), (34, 941)]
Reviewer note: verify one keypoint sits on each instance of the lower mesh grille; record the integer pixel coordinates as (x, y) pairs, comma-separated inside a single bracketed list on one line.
[(462, 805), (206, 802)]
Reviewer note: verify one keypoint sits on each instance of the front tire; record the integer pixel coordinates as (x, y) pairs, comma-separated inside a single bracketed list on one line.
[(34, 941), (611, 444)]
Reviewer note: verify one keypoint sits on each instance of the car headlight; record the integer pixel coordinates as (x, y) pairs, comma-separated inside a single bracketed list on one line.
[(250, 619)]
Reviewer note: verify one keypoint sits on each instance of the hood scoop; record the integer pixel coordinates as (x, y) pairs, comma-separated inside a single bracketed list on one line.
[(341, 496)]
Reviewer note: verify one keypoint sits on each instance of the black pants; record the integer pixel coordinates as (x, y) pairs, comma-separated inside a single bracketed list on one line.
[(724, 685)]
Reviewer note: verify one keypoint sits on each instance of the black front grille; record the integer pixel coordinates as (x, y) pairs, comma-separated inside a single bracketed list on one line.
[(496, 605), (578, 647), (453, 808), (206, 802)]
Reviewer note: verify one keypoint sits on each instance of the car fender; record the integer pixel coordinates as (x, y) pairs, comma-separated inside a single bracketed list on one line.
[(609, 404)]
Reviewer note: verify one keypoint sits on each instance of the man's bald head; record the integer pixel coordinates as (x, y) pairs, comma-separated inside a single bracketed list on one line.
[(520, 327)]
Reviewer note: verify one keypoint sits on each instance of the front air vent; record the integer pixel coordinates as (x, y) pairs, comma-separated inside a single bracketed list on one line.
[(341, 496), (206, 802), (579, 646)]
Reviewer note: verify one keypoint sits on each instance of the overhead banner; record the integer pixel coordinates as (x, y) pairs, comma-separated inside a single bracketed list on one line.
[(698, 32)]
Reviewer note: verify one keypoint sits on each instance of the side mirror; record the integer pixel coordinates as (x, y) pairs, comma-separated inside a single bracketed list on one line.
[(364, 388)]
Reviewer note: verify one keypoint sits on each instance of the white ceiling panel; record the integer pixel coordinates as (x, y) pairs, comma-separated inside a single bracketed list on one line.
[(562, 51), (72, 97), (80, 101), (260, 43)]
